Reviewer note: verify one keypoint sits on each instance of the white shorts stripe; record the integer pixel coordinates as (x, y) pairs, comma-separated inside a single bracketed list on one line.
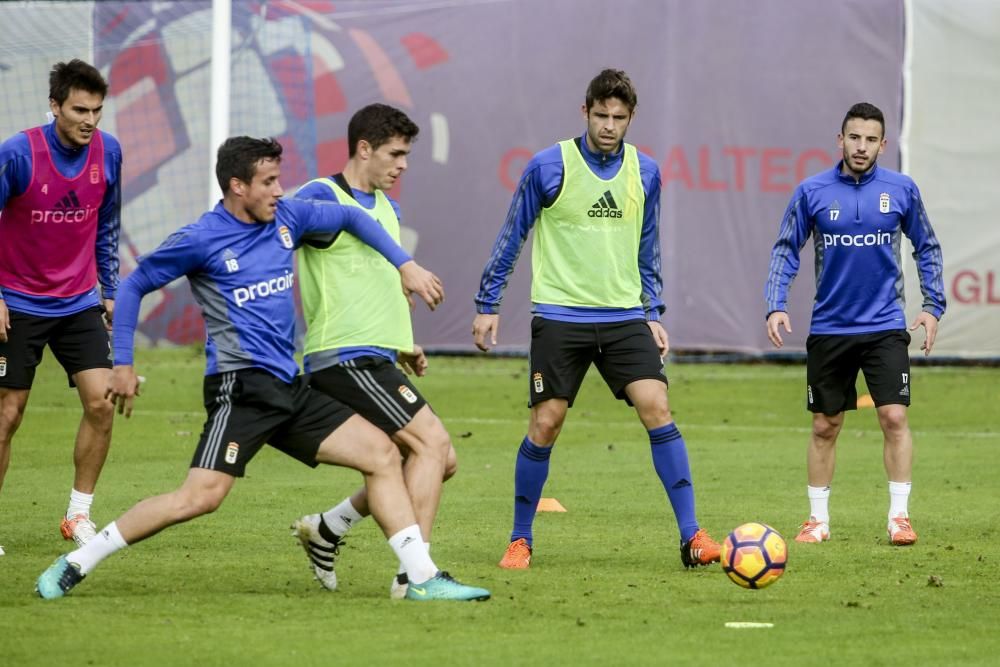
[(377, 394), (219, 421)]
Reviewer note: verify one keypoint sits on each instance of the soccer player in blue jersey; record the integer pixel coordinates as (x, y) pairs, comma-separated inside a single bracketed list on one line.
[(60, 215), (359, 328), (857, 213), (594, 202), (238, 259)]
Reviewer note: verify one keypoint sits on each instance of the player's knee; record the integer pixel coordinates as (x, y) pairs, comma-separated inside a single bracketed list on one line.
[(451, 463), (382, 455), (893, 418), (192, 504), (825, 428), (11, 414), (546, 427), (433, 442), (656, 415), (99, 411)]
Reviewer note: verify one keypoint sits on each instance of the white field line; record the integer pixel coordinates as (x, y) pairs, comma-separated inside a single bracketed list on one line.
[(522, 421), (570, 421)]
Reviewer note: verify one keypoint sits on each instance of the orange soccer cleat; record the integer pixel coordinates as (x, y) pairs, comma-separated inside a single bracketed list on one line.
[(78, 528), (813, 531), (900, 531), (518, 555), (701, 549)]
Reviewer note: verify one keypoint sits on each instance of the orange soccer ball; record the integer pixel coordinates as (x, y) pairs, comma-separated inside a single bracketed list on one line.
[(754, 555)]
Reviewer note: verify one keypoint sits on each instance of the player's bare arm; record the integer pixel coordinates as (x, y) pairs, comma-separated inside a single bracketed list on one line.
[(109, 313), (775, 320), (485, 325), (4, 321), (413, 363), (930, 324), (417, 279), (123, 388), (660, 336)]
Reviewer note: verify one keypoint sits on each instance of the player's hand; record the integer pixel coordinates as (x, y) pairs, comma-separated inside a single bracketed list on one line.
[(4, 321), (122, 389), (660, 336), (930, 324), (778, 318), (413, 363), (485, 324), (109, 313), (424, 283)]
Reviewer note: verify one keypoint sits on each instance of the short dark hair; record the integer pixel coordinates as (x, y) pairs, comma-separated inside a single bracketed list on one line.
[(238, 157), (864, 111), (612, 83), (77, 74), (377, 124)]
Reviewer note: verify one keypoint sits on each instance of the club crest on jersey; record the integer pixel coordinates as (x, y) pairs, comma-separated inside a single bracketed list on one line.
[(3, 367), (232, 452), (407, 394), (536, 379), (95, 174), (286, 237), (884, 202)]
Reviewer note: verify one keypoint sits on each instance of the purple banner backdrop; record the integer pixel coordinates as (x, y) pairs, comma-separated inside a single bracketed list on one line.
[(737, 103)]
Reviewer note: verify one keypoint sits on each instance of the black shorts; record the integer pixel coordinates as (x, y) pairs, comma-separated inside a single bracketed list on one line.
[(833, 362), (249, 408), (79, 342), (561, 353), (374, 388)]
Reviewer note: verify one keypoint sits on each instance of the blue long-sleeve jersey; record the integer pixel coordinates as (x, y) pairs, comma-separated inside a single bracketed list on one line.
[(242, 275), (15, 176), (857, 229), (321, 192), (539, 186)]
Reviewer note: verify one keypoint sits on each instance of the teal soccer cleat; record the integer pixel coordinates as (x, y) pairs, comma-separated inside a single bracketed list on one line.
[(443, 587), (58, 580)]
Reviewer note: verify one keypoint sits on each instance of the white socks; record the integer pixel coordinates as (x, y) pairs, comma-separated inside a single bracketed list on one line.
[(899, 496), (411, 550), (819, 503), (79, 503), (402, 570), (341, 518), (107, 541)]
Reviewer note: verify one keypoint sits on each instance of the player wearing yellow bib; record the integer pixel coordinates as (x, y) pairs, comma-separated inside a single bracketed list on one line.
[(358, 328), (594, 203)]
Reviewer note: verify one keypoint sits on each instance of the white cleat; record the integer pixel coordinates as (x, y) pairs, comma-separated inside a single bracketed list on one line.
[(321, 552), (399, 585)]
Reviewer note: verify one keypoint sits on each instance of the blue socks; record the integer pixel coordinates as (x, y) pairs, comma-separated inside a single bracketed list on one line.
[(530, 473), (670, 460)]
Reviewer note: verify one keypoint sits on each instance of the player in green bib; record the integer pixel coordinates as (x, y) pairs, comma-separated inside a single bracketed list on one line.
[(594, 203), (359, 328)]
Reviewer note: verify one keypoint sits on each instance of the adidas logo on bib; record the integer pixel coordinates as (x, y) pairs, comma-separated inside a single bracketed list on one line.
[(605, 207)]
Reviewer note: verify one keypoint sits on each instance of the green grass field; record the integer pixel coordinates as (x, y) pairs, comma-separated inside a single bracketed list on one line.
[(606, 586)]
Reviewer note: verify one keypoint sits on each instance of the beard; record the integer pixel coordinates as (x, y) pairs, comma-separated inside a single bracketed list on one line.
[(849, 165)]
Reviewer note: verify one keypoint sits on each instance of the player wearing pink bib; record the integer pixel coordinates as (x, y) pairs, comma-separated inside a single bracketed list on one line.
[(60, 212)]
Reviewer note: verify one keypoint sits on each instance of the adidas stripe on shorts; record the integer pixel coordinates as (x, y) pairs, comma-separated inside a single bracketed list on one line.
[(373, 387), (249, 408)]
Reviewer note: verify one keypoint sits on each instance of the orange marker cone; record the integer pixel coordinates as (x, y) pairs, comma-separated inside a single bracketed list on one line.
[(550, 505), (865, 401)]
